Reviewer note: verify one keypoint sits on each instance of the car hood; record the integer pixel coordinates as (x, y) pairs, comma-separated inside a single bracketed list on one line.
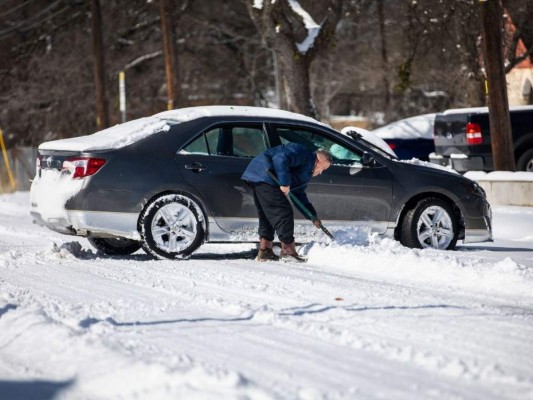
[(428, 166)]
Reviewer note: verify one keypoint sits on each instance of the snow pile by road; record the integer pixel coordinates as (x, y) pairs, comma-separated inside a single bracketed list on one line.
[(505, 176), (364, 318), (389, 259)]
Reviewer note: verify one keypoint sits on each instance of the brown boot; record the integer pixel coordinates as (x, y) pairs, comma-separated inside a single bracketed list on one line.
[(289, 253), (265, 252)]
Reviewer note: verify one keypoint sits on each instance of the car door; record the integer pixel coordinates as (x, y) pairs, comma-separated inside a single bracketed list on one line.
[(213, 163), (346, 193)]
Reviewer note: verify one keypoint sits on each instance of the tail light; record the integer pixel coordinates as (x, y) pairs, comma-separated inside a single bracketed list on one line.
[(473, 134), (80, 167), (392, 145)]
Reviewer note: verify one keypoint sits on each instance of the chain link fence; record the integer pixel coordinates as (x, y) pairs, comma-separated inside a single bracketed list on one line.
[(18, 169)]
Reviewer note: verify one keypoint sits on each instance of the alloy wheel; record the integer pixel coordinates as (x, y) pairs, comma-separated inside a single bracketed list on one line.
[(173, 228), (435, 228)]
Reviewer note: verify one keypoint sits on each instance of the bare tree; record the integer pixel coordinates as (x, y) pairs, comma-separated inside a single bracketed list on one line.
[(521, 12), (296, 39), (521, 15)]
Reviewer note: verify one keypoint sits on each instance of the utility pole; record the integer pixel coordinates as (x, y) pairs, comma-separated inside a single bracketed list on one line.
[(384, 58), (491, 13), (102, 116), (168, 49)]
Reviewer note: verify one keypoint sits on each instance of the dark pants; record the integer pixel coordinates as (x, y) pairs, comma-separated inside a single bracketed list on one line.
[(275, 213)]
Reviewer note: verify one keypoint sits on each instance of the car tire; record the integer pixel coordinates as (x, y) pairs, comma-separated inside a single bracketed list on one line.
[(171, 227), (525, 161), (115, 246), (431, 223)]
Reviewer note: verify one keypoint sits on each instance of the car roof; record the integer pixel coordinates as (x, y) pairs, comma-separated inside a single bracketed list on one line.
[(122, 135), (190, 113)]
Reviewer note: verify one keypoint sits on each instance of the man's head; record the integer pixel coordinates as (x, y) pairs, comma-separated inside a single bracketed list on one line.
[(323, 161)]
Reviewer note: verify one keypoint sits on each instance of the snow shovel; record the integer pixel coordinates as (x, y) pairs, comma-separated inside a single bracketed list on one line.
[(301, 206)]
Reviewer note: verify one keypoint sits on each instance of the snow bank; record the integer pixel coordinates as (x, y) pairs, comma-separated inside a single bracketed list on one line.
[(357, 252), (506, 176), (506, 188)]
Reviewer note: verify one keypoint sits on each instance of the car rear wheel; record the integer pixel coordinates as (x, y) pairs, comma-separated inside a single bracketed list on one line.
[(525, 162), (431, 223), (171, 227), (115, 246)]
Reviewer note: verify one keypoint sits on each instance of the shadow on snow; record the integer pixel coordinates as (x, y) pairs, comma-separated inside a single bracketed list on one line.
[(32, 390)]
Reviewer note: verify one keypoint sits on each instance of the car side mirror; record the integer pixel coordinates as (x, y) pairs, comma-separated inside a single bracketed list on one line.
[(368, 160)]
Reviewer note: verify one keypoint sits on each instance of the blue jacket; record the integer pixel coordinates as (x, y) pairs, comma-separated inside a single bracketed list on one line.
[(293, 165)]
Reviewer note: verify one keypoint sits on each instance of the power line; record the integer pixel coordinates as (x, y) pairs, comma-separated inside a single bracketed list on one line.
[(27, 28), (20, 25), (16, 8)]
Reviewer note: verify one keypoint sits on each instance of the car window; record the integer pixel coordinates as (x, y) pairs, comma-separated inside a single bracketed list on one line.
[(314, 140), (199, 146), (230, 140)]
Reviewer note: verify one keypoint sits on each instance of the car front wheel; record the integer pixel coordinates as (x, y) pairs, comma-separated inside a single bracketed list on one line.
[(431, 223), (525, 162), (171, 227), (115, 246)]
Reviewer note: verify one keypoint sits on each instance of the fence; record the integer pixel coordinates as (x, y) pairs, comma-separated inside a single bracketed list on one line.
[(17, 168)]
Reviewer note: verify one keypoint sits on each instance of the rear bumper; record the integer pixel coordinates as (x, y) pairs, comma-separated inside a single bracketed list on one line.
[(92, 223)]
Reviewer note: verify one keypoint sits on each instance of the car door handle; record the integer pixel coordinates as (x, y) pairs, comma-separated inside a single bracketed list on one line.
[(196, 167)]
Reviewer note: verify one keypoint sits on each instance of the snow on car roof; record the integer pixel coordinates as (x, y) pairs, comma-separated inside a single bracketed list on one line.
[(130, 132), (477, 110), (111, 138), (417, 127)]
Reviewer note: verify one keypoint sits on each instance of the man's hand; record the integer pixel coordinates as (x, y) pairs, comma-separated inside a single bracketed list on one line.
[(317, 223), (285, 189)]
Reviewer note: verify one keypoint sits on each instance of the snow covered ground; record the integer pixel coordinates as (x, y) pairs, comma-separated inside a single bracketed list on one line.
[(365, 318)]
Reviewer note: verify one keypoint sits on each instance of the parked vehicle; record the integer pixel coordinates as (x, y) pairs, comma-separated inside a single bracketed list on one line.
[(463, 139), (410, 137), (170, 182)]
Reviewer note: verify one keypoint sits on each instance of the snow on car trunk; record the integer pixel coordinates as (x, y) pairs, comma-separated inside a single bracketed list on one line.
[(53, 189)]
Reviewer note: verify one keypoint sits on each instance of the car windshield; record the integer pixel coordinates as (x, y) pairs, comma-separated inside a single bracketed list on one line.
[(370, 141)]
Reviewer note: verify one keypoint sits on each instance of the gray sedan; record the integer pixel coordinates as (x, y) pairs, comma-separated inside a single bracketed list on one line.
[(170, 182)]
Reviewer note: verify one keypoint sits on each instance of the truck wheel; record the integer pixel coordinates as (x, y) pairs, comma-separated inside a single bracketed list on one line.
[(525, 162), (115, 246), (431, 223), (171, 227)]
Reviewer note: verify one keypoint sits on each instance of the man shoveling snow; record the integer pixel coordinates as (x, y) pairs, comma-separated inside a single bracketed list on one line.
[(274, 174)]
